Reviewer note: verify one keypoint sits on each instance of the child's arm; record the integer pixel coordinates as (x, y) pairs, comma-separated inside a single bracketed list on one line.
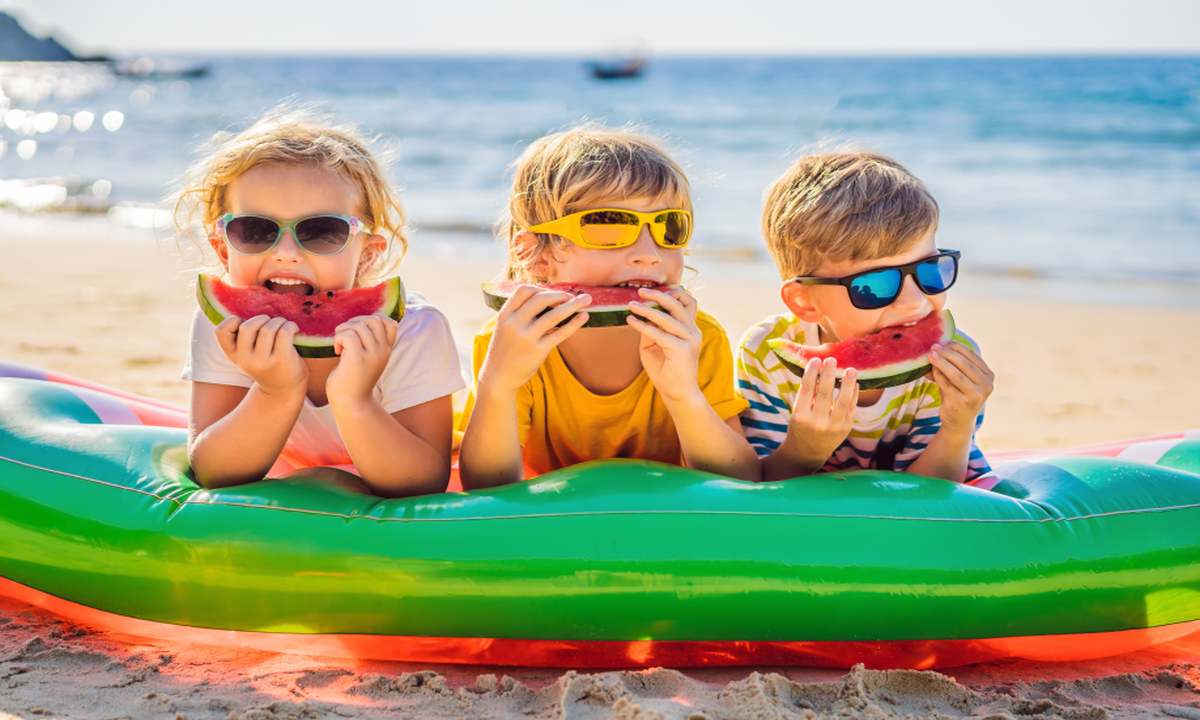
[(670, 353), (397, 454), (524, 336), (965, 382), (236, 434), (820, 420)]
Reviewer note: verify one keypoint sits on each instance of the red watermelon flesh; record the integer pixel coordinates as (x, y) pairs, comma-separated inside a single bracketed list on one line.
[(317, 315), (609, 306), (887, 357)]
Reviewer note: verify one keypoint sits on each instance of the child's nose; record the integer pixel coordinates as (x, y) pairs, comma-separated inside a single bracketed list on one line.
[(910, 295), (645, 250), (287, 248)]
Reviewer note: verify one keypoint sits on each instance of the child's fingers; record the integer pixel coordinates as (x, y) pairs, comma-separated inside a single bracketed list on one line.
[(550, 320), (284, 338), (392, 331), (825, 380), (265, 342), (655, 333), (534, 306), (517, 299), (374, 324), (360, 328), (669, 302), (976, 367), (667, 322), (957, 360), (847, 398), (227, 333), (346, 340), (248, 333), (808, 383), (367, 337), (559, 334), (948, 376)]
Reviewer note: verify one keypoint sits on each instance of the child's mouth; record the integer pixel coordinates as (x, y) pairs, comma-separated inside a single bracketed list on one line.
[(289, 286)]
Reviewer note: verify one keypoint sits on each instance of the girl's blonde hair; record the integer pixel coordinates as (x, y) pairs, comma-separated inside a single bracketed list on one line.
[(294, 137), (563, 172)]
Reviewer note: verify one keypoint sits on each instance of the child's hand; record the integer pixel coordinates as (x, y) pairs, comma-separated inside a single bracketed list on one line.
[(823, 415), (527, 329), (262, 348), (965, 381), (364, 344), (670, 347)]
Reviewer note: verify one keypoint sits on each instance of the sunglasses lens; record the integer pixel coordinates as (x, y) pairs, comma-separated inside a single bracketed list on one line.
[(323, 235), (609, 228), (876, 289), (675, 227), (937, 274), (251, 235)]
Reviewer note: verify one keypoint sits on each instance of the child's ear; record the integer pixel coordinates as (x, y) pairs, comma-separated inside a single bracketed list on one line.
[(374, 247), (797, 299), (222, 250), (525, 244)]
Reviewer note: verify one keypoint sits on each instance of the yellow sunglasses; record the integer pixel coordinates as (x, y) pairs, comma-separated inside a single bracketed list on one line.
[(607, 228)]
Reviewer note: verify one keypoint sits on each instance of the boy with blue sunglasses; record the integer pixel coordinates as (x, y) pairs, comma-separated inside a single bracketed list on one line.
[(853, 237)]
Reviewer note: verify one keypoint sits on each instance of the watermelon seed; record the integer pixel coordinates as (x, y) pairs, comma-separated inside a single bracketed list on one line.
[(329, 294), (897, 336)]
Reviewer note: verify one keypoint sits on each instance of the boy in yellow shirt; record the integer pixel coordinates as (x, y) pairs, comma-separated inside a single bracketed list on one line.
[(601, 209)]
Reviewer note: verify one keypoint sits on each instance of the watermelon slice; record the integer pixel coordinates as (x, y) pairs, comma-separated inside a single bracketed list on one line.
[(887, 357), (317, 314), (610, 305)]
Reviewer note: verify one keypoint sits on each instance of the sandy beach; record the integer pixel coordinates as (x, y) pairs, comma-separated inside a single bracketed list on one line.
[(113, 304)]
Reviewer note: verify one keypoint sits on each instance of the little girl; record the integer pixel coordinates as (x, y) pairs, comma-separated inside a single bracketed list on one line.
[(550, 393), (381, 409)]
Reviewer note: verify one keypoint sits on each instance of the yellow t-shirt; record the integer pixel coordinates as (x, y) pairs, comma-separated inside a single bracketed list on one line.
[(563, 423)]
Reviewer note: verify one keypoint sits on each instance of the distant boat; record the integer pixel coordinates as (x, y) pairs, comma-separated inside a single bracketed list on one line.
[(147, 68), (616, 70)]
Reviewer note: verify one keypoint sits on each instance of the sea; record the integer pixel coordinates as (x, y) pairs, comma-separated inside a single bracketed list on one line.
[(1080, 168)]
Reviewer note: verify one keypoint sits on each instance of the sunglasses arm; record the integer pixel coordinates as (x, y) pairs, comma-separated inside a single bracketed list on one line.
[(553, 227)]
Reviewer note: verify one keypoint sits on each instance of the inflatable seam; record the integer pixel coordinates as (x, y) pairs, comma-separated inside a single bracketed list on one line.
[(749, 513)]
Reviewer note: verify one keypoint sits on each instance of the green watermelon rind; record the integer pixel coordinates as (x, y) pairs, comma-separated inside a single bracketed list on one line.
[(598, 315), (307, 346), (883, 377)]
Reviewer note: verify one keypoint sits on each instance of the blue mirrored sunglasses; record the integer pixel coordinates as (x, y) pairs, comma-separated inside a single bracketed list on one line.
[(877, 288)]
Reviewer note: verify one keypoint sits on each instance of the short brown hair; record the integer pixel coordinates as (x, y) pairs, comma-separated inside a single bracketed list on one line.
[(844, 206), (560, 173)]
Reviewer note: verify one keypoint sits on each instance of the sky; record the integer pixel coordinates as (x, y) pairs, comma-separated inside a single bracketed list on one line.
[(538, 27)]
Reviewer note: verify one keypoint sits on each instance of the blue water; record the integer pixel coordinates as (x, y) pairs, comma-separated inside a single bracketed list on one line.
[(1079, 167)]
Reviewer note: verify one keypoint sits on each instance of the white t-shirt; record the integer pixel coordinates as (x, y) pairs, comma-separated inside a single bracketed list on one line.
[(424, 365)]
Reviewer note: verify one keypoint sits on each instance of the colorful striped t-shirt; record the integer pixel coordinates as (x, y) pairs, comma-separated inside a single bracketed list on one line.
[(887, 435)]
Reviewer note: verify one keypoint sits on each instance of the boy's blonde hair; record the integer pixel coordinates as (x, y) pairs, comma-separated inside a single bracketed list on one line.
[(844, 206), (294, 137), (562, 172)]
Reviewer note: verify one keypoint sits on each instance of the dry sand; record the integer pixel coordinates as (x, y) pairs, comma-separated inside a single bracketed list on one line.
[(113, 305)]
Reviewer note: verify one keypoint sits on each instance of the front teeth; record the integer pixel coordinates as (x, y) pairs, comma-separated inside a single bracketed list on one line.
[(287, 281)]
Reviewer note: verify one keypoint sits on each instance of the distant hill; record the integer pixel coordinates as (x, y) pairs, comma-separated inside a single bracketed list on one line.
[(17, 44)]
